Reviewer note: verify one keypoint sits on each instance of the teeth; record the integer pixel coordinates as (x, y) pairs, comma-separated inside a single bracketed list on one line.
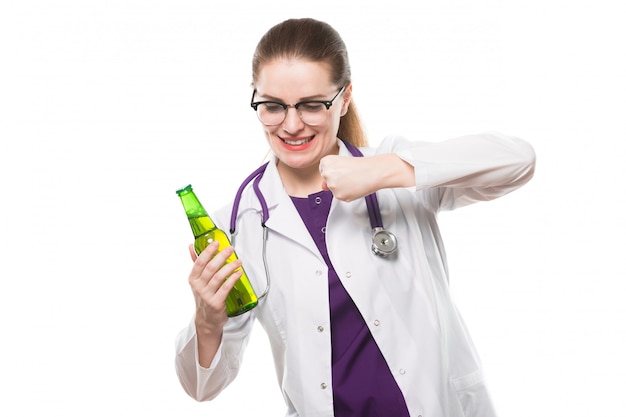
[(297, 142)]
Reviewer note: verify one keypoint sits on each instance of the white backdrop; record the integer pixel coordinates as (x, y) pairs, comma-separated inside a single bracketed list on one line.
[(106, 107)]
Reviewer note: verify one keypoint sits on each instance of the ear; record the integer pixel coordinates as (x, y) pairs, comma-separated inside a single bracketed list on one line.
[(346, 97)]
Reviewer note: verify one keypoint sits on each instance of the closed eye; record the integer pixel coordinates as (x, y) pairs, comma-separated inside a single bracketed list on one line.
[(312, 106), (273, 107)]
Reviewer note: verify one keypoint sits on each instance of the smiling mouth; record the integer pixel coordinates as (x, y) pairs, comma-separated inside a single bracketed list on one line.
[(297, 142)]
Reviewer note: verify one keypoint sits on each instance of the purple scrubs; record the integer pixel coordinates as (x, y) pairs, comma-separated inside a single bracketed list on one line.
[(362, 382)]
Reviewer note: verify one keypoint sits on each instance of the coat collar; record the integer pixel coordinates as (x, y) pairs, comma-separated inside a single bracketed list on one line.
[(283, 215)]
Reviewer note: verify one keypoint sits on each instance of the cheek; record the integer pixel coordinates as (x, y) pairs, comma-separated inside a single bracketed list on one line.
[(269, 134), (333, 121), (268, 131)]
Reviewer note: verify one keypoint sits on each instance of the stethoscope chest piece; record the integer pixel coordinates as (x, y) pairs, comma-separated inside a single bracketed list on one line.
[(384, 243)]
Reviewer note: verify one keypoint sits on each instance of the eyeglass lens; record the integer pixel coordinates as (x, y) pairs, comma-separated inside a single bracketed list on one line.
[(313, 113)]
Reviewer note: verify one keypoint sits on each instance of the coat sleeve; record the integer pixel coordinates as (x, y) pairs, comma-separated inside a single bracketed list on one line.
[(464, 170), (205, 384)]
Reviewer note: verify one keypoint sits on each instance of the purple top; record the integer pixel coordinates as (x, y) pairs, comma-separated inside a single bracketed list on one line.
[(362, 382)]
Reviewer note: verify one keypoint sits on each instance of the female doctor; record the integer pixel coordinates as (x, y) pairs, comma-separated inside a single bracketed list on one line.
[(352, 333)]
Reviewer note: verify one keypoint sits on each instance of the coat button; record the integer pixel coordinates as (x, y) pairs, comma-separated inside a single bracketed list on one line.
[(402, 372), (318, 272), (376, 323), (323, 385), (318, 200), (348, 274), (320, 329)]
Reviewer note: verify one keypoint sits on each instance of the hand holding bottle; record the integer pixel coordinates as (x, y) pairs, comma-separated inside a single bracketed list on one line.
[(211, 280), (242, 298)]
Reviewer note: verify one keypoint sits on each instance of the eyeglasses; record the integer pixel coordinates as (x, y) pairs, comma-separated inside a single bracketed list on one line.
[(311, 112)]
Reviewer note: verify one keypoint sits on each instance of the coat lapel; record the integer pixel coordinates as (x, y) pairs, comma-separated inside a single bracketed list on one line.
[(283, 218)]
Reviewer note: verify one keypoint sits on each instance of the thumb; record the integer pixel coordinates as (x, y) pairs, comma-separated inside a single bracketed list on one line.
[(324, 186), (192, 252)]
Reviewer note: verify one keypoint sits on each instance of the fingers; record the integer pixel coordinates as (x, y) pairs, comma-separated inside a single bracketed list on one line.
[(212, 297), (227, 285), (325, 163), (216, 274), (201, 260), (211, 280), (348, 178), (211, 275), (209, 262)]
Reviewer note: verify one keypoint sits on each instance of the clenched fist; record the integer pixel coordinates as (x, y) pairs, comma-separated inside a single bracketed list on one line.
[(351, 178)]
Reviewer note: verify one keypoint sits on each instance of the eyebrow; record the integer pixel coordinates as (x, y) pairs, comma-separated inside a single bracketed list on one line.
[(318, 97)]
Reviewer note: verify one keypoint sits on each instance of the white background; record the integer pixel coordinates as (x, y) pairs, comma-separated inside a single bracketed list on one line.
[(106, 107)]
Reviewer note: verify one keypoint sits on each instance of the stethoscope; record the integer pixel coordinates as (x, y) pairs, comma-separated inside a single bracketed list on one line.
[(384, 243)]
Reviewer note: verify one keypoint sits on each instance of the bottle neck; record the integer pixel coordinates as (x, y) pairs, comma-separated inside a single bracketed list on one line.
[(198, 218)]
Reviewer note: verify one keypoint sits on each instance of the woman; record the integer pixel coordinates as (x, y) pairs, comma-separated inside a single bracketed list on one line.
[(352, 333)]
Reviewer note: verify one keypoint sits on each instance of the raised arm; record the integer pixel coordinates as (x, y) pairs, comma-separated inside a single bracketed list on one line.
[(466, 169)]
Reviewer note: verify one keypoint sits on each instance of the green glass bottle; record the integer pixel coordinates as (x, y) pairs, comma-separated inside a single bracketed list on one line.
[(242, 297)]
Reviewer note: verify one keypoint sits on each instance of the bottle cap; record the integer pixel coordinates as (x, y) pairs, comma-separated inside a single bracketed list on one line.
[(184, 190)]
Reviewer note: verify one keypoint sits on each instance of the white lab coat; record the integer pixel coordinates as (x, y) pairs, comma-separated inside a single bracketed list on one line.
[(405, 300)]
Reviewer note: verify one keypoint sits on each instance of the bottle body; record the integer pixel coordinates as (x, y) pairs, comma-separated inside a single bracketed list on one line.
[(242, 297)]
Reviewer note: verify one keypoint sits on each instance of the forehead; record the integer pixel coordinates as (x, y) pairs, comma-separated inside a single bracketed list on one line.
[(293, 79)]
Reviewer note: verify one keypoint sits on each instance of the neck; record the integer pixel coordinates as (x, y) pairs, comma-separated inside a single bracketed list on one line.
[(300, 182)]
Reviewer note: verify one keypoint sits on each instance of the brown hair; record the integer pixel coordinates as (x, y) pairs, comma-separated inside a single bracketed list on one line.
[(316, 41)]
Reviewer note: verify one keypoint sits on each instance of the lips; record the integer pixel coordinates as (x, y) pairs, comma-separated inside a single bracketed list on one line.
[(297, 141)]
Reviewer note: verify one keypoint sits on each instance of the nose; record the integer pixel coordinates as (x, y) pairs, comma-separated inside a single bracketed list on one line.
[(292, 123)]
